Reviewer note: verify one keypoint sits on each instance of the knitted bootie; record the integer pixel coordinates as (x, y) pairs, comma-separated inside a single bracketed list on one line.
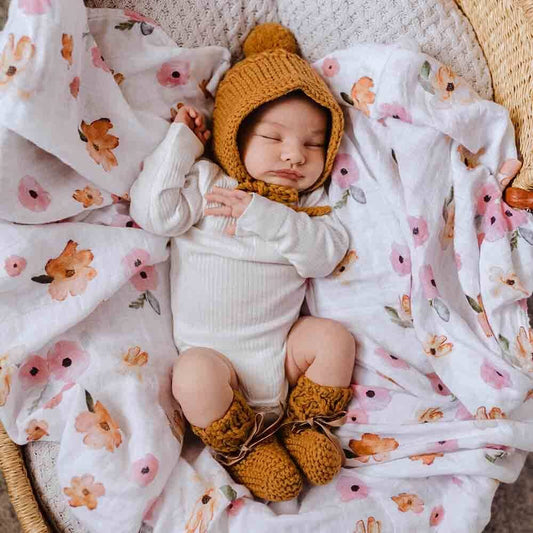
[(267, 469), (319, 458)]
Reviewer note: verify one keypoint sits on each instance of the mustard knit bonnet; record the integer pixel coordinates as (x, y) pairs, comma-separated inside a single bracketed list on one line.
[(272, 68)]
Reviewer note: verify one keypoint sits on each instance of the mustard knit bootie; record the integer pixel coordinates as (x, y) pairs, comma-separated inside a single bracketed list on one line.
[(314, 452), (267, 469)]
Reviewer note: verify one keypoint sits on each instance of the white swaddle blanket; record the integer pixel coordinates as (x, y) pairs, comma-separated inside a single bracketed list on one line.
[(434, 286)]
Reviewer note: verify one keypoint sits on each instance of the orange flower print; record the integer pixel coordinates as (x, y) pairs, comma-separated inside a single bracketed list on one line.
[(471, 160), (134, 359), (66, 51), (118, 77), (523, 349), (102, 431), (88, 196), (408, 502), (83, 491), (505, 280), (36, 430), (436, 346), (372, 445), (529, 395), (203, 87), (494, 414), (372, 526), (5, 379), (100, 143), (203, 512), (426, 458), (429, 415), (68, 273), (74, 87), (348, 259), (361, 95), (15, 59), (445, 82), (177, 424), (447, 233)]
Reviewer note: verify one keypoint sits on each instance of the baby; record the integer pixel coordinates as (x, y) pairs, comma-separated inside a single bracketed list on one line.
[(245, 236)]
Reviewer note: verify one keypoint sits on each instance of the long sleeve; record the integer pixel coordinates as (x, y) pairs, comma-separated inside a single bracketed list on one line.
[(314, 245), (165, 198)]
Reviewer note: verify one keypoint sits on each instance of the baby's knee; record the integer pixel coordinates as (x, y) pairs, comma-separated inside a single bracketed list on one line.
[(199, 369), (335, 336)]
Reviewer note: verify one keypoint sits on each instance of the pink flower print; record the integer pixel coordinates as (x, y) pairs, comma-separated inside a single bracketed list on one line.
[(395, 111), (494, 377), (400, 259), (137, 17), (458, 262), (513, 217), (391, 360), (67, 360), (463, 413), (144, 470), (34, 372), (32, 196), (123, 221), (330, 67), (57, 399), (419, 230), (445, 446), (344, 172), (173, 73), (438, 385), (356, 416), (14, 265), (135, 261), (371, 398), (487, 195), (351, 488), (235, 506), (494, 223), (437, 516), (34, 7), (98, 60), (427, 279), (146, 279)]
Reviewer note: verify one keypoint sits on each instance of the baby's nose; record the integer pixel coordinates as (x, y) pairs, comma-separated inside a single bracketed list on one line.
[(294, 154)]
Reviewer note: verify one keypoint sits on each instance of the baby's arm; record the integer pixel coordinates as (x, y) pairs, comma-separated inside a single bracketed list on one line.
[(314, 245), (165, 198)]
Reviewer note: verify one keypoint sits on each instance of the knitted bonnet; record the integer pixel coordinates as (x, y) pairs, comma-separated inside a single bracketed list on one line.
[(272, 68)]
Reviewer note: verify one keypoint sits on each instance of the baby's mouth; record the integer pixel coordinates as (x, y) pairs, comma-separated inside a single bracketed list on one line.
[(288, 174)]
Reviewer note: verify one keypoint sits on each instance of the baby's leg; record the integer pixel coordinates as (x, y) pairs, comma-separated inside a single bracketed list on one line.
[(202, 382), (323, 349)]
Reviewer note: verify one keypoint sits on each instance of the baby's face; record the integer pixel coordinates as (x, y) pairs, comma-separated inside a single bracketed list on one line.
[(286, 135)]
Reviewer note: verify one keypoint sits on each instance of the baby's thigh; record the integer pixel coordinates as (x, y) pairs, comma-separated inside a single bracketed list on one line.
[(202, 367)]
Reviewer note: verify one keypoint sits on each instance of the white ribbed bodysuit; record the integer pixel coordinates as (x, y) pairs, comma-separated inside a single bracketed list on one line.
[(238, 294)]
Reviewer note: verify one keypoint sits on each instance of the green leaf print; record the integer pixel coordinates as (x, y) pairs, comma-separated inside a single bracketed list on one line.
[(229, 492), (473, 304)]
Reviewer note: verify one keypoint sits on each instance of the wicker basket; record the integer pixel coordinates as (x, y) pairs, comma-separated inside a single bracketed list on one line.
[(504, 29)]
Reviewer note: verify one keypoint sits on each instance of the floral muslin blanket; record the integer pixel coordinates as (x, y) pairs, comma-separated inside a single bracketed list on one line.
[(434, 286)]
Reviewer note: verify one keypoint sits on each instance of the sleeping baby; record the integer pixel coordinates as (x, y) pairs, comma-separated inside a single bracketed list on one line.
[(246, 234)]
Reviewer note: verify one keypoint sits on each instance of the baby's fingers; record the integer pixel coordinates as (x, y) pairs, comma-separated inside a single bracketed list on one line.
[(224, 211)]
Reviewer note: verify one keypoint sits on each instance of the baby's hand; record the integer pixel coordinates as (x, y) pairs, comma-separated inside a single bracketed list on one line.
[(234, 203), (192, 118)]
